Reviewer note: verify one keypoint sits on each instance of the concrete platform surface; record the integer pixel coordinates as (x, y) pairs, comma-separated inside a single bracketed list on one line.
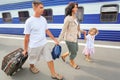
[(105, 64)]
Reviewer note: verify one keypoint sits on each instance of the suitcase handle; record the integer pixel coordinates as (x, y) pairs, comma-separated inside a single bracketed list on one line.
[(22, 58)]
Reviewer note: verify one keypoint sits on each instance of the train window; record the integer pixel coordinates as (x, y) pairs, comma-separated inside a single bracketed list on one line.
[(48, 14), (109, 13), (6, 17), (23, 15), (80, 14)]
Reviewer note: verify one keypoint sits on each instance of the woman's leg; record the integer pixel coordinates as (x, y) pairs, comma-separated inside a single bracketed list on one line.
[(64, 56), (73, 48)]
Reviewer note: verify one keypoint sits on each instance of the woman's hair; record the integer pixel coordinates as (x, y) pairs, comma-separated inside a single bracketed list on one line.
[(96, 30), (68, 9), (36, 3)]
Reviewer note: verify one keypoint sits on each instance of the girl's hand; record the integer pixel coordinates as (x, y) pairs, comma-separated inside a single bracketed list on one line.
[(84, 32)]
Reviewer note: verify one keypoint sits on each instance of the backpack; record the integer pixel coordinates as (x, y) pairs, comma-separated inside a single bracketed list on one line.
[(56, 51)]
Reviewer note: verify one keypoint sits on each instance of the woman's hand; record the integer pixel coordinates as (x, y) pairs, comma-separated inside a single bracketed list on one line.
[(85, 32)]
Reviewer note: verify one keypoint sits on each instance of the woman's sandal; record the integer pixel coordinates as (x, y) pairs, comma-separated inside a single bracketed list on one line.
[(34, 70), (57, 76), (76, 67)]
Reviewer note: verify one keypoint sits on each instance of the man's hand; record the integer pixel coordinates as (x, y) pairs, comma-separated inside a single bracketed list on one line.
[(24, 53), (56, 41)]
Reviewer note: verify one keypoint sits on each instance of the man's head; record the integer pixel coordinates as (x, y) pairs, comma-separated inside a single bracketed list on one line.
[(38, 7)]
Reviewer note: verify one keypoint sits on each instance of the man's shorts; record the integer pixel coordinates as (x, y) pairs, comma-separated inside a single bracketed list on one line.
[(35, 54)]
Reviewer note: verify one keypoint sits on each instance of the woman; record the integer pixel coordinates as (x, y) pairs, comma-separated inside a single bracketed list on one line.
[(70, 32)]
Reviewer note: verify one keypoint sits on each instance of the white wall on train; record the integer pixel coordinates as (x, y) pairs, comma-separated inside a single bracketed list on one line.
[(14, 13), (94, 8), (89, 8), (107, 27), (12, 1), (58, 10)]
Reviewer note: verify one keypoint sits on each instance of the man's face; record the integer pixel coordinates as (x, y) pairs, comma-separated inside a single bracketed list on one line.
[(39, 9)]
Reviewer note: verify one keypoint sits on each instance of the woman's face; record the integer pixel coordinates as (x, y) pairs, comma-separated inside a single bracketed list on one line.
[(74, 10)]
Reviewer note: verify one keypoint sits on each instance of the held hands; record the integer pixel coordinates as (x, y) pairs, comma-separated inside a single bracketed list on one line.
[(85, 32)]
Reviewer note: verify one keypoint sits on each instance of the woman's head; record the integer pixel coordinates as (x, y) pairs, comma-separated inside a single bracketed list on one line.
[(93, 31), (71, 8)]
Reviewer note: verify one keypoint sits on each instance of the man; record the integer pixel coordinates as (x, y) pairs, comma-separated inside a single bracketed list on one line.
[(35, 42)]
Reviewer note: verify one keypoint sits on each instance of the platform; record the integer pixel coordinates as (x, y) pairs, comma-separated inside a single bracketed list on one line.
[(105, 65)]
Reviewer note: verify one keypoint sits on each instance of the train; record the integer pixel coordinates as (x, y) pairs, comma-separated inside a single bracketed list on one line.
[(101, 14)]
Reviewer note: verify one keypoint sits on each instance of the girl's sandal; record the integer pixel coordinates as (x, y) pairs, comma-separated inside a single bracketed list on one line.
[(89, 60)]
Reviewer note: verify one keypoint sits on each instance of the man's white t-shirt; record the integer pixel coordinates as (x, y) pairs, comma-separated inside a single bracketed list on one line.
[(36, 27)]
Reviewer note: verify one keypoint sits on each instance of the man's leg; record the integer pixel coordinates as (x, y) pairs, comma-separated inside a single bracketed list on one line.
[(48, 57), (51, 67), (54, 75), (33, 58)]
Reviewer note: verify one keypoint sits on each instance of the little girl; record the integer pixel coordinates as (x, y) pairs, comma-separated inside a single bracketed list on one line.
[(89, 48)]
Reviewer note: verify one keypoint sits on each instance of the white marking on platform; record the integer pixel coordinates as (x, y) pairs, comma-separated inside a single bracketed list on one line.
[(82, 44)]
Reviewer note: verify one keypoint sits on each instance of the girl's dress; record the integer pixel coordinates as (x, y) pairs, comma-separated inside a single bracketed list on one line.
[(89, 47)]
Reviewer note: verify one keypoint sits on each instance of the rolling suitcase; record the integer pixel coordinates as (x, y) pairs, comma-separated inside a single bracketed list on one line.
[(13, 61)]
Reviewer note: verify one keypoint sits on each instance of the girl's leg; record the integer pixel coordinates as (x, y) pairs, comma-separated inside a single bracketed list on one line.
[(87, 57)]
